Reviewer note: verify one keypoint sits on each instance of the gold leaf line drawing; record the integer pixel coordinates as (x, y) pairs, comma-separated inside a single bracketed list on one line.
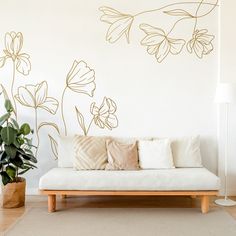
[(20, 61), (4, 92), (80, 79), (158, 41), (119, 23), (103, 116), (53, 142), (54, 146), (36, 97)]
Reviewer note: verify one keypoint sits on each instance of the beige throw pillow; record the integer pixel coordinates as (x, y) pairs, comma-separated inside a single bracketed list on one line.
[(186, 152), (122, 156), (90, 153)]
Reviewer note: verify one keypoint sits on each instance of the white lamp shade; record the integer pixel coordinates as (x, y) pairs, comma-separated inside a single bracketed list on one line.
[(225, 93)]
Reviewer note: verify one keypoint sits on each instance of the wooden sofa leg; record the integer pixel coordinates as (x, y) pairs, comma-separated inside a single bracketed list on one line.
[(51, 202), (205, 204)]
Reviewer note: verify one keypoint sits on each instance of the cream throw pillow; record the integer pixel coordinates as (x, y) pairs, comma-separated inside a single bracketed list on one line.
[(65, 151), (90, 153), (122, 156), (186, 152), (155, 154)]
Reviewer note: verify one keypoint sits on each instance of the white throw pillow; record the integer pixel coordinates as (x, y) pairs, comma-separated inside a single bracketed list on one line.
[(186, 152), (65, 151), (155, 154)]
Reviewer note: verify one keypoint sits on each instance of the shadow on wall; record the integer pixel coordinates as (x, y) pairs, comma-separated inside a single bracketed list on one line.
[(209, 155)]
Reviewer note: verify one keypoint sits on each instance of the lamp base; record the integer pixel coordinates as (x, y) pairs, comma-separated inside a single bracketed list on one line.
[(225, 202)]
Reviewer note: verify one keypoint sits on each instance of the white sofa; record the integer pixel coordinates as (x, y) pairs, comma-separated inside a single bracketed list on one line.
[(65, 180)]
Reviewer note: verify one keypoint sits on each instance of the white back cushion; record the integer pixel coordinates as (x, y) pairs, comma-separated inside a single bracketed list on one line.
[(186, 152), (65, 151), (155, 154)]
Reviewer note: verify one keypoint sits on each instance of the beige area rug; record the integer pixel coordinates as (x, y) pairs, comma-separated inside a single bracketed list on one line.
[(124, 221)]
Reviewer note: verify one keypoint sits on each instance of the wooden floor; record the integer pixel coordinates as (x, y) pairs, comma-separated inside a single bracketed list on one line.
[(9, 216)]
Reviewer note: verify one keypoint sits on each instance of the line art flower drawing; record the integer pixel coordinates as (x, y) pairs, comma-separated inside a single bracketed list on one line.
[(160, 42), (104, 116), (201, 43), (20, 61), (120, 24), (36, 97), (80, 79)]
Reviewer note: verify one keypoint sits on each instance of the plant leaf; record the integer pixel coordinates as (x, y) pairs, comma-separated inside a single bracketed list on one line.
[(5, 178), (49, 124), (4, 118), (3, 90), (14, 122), (8, 135), (25, 129), (8, 105), (10, 150), (4, 159), (178, 12), (54, 146), (23, 171), (17, 161), (80, 119), (11, 171), (31, 165), (28, 157)]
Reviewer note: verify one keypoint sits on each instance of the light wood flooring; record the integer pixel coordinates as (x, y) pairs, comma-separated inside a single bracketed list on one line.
[(9, 216)]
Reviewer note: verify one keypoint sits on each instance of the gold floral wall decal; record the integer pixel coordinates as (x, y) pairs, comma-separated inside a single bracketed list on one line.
[(160, 42), (80, 79), (201, 43), (20, 60), (36, 97), (103, 116), (120, 24)]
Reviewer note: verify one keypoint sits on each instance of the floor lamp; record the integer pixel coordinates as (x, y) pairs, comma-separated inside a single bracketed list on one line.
[(225, 94)]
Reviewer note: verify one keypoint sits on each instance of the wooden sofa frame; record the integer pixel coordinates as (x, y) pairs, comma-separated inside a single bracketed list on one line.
[(203, 194)]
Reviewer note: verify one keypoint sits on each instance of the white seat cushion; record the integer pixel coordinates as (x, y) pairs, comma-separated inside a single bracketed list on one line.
[(162, 180)]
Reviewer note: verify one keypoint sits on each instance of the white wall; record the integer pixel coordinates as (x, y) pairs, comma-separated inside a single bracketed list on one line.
[(172, 98), (228, 74)]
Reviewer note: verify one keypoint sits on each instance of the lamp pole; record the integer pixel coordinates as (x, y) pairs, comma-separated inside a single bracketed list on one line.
[(226, 201)]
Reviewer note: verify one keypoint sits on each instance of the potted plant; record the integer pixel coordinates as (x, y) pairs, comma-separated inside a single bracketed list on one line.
[(16, 158)]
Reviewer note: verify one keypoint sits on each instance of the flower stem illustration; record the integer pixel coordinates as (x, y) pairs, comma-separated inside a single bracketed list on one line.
[(12, 89), (62, 111), (158, 42), (36, 97), (103, 116), (80, 79), (20, 61), (36, 131), (173, 4), (53, 142)]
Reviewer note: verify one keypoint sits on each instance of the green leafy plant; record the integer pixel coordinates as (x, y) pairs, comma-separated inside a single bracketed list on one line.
[(16, 156)]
